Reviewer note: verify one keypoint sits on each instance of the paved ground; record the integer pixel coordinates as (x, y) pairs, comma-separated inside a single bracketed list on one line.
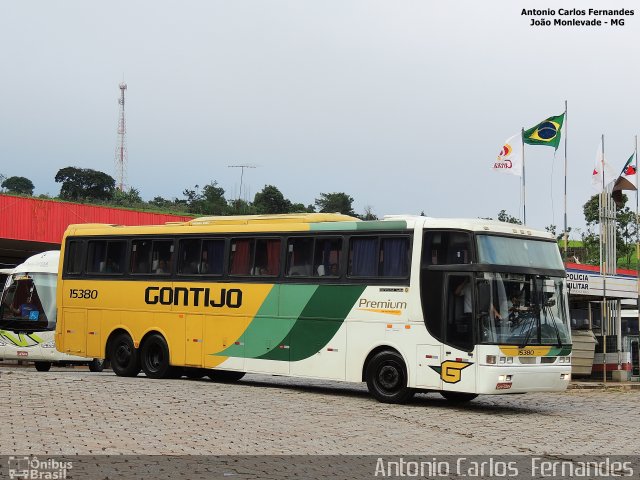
[(71, 411)]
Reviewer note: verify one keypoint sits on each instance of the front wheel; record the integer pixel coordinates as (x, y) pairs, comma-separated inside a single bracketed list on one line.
[(154, 358), (386, 376), (96, 365), (43, 366), (123, 356), (458, 397)]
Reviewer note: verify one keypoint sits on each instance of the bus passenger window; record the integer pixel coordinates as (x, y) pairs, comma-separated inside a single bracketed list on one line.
[(140, 256), (446, 248), (188, 258), (394, 257), (212, 257), (363, 257), (327, 257), (240, 258), (267, 257), (74, 257), (299, 257), (161, 255), (105, 256)]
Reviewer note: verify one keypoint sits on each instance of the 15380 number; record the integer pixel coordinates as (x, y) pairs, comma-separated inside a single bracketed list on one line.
[(83, 293)]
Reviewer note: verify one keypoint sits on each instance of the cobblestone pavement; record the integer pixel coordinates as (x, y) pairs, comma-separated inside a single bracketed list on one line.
[(72, 411)]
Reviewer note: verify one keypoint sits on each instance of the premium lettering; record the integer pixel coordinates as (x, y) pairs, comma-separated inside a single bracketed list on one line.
[(195, 296)]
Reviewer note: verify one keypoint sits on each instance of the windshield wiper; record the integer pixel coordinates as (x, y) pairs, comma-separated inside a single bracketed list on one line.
[(547, 310)]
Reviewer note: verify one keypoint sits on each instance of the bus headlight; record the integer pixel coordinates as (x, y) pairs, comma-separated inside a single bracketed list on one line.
[(509, 359), (491, 359)]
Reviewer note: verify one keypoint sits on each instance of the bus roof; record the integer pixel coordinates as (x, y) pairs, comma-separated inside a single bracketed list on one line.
[(305, 222), (45, 262)]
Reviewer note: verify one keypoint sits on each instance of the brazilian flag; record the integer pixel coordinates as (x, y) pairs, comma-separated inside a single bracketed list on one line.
[(546, 132)]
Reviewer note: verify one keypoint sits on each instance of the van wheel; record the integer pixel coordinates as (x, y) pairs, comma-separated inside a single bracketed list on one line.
[(96, 365), (458, 397), (124, 356), (225, 375), (43, 366), (386, 376), (154, 358)]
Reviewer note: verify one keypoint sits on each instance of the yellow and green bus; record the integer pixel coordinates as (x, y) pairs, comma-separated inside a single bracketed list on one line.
[(461, 307)]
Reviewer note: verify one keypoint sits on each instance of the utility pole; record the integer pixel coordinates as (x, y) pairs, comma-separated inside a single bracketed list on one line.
[(121, 148)]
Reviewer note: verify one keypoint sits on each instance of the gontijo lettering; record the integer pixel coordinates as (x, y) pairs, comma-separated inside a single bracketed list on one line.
[(195, 296)]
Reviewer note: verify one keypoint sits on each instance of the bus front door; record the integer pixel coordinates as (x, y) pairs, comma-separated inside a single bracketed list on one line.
[(458, 367)]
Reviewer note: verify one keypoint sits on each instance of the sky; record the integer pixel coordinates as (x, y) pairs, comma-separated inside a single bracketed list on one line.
[(402, 104)]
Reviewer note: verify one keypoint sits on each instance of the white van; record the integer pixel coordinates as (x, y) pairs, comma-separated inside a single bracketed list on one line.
[(28, 315)]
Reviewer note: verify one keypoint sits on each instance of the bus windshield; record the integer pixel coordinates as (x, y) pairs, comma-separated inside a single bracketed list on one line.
[(29, 302), (518, 252), (522, 309)]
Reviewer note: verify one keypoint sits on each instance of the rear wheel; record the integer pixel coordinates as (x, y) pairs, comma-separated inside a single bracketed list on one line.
[(43, 366), (96, 365), (458, 397), (225, 376), (154, 358), (386, 376), (123, 356)]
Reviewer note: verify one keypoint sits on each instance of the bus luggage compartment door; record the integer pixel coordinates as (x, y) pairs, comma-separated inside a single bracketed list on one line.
[(75, 331), (194, 340), (428, 367)]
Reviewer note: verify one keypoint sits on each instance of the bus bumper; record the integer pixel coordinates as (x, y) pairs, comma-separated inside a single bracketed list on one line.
[(500, 380)]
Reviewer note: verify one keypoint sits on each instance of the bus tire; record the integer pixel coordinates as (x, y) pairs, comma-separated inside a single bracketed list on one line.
[(123, 356), (96, 365), (386, 376), (43, 366), (154, 358), (225, 376), (458, 397)]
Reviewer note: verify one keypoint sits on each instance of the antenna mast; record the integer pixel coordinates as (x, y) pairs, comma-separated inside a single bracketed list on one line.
[(121, 149), (241, 167)]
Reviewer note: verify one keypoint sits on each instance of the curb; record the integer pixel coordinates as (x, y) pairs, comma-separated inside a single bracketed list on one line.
[(625, 386)]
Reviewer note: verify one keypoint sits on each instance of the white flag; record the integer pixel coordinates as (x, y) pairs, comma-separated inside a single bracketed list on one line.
[(601, 164), (510, 156)]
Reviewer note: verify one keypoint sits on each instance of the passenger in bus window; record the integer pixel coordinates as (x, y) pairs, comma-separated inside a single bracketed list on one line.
[(203, 266), (162, 266)]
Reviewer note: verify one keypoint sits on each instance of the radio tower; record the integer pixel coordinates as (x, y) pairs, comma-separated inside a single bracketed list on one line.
[(121, 148)]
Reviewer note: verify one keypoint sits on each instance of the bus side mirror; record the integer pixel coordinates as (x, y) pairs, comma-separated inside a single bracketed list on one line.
[(484, 297)]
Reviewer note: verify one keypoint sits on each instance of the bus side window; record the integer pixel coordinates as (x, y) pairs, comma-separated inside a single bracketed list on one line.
[(299, 257), (363, 256), (140, 256), (446, 248), (96, 256), (327, 257), (267, 257), (240, 258), (394, 257), (161, 257), (74, 257)]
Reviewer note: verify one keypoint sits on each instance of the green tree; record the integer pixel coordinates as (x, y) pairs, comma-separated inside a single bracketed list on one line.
[(503, 216), (271, 200), (368, 213), (337, 202), (130, 198), (85, 184), (210, 201), (625, 231), (19, 185)]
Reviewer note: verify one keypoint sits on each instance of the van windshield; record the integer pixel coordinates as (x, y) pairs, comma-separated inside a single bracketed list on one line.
[(29, 302)]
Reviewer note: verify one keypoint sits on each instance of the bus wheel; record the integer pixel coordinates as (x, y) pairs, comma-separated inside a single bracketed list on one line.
[(123, 356), (43, 366), (386, 376), (96, 365), (458, 397), (225, 375), (154, 358)]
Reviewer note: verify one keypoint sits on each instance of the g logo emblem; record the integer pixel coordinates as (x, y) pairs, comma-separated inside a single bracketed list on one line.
[(450, 370)]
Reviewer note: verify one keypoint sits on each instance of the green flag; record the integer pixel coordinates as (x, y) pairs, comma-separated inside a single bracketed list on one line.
[(546, 132)]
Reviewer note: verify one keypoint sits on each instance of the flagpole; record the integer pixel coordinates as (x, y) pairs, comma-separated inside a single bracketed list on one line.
[(524, 186), (566, 241), (603, 268), (635, 150)]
